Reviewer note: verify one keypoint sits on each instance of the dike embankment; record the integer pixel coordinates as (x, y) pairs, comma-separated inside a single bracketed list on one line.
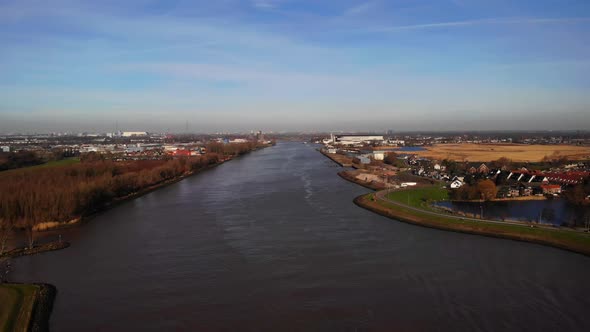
[(570, 240)]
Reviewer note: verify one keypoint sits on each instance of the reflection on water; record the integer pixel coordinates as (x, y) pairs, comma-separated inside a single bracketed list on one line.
[(551, 211), (272, 241)]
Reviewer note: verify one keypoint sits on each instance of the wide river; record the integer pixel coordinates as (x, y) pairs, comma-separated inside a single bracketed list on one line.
[(272, 241)]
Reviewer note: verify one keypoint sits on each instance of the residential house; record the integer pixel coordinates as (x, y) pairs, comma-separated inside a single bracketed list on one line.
[(513, 191), (551, 189), (483, 169), (456, 184)]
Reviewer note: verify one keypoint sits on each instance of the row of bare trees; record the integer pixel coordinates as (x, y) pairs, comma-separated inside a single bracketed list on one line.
[(232, 149), (29, 197), (32, 196)]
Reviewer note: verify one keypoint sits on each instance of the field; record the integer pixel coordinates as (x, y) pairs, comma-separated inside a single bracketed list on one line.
[(16, 306), (515, 152), (50, 164), (63, 162), (417, 196)]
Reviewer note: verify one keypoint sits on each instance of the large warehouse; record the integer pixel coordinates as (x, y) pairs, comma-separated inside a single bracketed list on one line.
[(356, 139)]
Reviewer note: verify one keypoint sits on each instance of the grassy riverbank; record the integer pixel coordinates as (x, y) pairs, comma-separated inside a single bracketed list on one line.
[(419, 197), (16, 306), (25, 307), (49, 164), (411, 206)]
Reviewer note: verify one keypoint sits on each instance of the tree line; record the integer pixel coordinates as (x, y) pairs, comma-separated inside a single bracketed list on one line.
[(20, 159), (483, 189), (11, 160)]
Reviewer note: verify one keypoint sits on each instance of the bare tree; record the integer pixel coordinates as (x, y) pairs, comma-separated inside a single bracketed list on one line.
[(28, 224), (6, 227)]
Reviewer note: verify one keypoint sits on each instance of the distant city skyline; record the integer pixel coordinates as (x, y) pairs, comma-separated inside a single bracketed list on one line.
[(288, 65)]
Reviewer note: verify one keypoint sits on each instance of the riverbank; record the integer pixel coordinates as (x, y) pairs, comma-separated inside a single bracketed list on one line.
[(51, 246), (339, 159), (564, 239), (53, 225), (367, 184), (26, 307)]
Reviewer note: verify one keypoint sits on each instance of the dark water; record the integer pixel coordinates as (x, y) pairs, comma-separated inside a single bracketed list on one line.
[(272, 241), (552, 211), (400, 149), (410, 148)]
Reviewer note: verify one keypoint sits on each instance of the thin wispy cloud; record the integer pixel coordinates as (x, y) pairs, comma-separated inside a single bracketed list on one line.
[(485, 21), (360, 9), (266, 4)]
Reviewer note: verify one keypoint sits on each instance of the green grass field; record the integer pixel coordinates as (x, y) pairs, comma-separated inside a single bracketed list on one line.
[(56, 163), (417, 197), (16, 306)]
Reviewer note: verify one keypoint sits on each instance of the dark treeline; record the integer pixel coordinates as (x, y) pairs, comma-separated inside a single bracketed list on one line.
[(20, 159), (483, 189), (59, 194), (580, 193), (11, 160)]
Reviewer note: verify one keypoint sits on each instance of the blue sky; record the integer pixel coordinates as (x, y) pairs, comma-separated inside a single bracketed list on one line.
[(294, 65)]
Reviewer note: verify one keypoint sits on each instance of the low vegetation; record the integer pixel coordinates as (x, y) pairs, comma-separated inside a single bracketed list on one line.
[(515, 152)]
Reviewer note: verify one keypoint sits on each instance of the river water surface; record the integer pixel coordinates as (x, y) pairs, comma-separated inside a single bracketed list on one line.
[(272, 241)]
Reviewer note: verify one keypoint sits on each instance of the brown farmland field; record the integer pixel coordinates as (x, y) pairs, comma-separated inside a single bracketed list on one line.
[(516, 152)]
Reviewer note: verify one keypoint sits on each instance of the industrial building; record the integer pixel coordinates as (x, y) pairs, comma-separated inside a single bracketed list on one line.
[(355, 139), (134, 133)]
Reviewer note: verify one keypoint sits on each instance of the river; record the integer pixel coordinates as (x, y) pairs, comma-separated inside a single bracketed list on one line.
[(272, 241)]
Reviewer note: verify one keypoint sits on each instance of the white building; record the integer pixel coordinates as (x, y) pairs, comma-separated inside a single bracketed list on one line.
[(134, 133), (399, 142), (379, 155), (356, 139), (456, 184), (5, 148)]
